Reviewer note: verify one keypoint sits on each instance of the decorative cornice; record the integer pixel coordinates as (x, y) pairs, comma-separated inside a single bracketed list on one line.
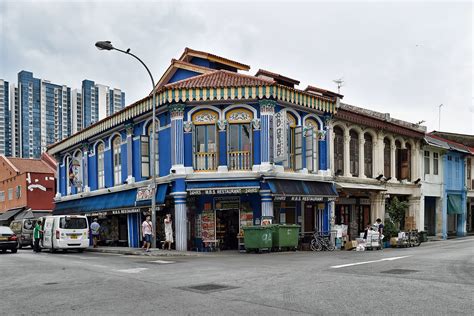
[(171, 96)]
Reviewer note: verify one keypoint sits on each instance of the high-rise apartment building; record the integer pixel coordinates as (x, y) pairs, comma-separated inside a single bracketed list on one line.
[(39, 113), (99, 101), (5, 137)]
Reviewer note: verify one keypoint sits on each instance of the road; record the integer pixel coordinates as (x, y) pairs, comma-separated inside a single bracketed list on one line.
[(434, 279)]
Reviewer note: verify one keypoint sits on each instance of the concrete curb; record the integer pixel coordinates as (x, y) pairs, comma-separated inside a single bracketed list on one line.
[(141, 252)]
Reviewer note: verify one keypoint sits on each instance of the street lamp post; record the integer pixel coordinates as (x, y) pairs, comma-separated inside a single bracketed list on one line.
[(107, 45)]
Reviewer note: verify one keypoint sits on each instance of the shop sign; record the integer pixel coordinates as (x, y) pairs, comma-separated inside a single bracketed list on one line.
[(224, 191), (227, 203), (364, 201), (144, 193), (303, 198), (280, 139), (104, 213)]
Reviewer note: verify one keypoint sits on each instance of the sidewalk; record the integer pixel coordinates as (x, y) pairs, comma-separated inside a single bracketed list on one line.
[(152, 253)]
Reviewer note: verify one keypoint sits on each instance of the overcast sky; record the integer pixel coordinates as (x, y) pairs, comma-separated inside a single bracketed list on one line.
[(404, 58)]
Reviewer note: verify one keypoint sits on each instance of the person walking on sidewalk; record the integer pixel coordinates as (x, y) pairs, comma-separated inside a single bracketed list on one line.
[(37, 236), (147, 231), (168, 232), (95, 230)]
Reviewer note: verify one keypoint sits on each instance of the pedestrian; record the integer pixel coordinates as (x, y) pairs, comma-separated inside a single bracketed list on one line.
[(95, 230), (168, 232), (37, 236), (380, 227), (147, 231)]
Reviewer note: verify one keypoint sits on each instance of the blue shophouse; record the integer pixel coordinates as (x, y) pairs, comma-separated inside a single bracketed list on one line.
[(232, 150)]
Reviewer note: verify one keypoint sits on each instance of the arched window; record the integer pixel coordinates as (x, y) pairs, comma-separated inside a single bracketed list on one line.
[(312, 147), (354, 153), (290, 162), (408, 161), (100, 166), (368, 150), (387, 158), (75, 172), (239, 139), (117, 159), (338, 151), (205, 140)]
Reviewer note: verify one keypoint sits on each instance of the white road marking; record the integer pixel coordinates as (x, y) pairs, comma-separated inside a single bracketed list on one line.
[(99, 266), (133, 270), (365, 262), (162, 261)]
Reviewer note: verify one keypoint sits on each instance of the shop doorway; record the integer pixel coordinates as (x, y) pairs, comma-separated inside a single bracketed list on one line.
[(113, 230), (227, 228), (430, 215)]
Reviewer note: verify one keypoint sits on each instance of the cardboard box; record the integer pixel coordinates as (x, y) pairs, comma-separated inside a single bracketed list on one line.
[(394, 241), (350, 245)]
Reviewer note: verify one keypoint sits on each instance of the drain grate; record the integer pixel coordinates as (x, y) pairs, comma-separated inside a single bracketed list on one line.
[(208, 288), (399, 271)]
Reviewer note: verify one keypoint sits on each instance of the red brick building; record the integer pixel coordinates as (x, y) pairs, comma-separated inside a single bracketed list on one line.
[(27, 187)]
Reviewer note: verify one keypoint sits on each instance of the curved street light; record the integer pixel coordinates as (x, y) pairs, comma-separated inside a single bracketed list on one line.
[(107, 45)]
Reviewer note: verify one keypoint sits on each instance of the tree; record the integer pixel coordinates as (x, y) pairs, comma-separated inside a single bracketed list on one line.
[(396, 210)]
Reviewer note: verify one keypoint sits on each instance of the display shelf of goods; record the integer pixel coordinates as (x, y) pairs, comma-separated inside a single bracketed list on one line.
[(208, 225)]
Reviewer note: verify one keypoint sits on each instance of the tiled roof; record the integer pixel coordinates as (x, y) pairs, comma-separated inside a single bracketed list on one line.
[(310, 89), (263, 72), (452, 145), (30, 165), (219, 79)]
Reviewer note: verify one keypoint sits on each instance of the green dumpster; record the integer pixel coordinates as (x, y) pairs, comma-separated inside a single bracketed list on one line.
[(257, 238), (423, 236), (285, 236)]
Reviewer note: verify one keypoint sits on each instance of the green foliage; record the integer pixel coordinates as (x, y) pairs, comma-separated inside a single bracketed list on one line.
[(389, 230), (396, 210)]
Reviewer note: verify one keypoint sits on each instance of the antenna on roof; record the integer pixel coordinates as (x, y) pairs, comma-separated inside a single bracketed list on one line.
[(340, 83)]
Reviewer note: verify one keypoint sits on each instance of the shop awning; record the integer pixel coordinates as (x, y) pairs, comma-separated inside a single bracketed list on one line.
[(359, 186), (297, 190), (223, 187), (10, 214), (455, 204), (110, 201), (32, 214)]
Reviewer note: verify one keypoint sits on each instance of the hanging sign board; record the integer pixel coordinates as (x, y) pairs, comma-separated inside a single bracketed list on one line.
[(144, 193), (280, 139), (224, 191)]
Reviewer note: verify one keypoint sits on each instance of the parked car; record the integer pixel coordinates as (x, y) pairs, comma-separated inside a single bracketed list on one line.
[(65, 232), (8, 240), (23, 228)]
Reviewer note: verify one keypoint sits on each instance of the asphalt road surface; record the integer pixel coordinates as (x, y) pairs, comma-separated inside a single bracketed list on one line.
[(434, 279)]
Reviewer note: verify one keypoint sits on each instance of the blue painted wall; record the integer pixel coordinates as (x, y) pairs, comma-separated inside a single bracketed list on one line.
[(181, 74), (188, 149), (256, 148), (165, 151), (108, 169), (92, 172)]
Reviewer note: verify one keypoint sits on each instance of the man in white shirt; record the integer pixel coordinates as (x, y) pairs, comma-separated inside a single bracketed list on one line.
[(147, 231)]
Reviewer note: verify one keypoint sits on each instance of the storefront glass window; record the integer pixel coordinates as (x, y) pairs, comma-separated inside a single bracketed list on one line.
[(205, 147)]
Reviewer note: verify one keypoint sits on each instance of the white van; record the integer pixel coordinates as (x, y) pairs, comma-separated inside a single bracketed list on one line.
[(65, 232)]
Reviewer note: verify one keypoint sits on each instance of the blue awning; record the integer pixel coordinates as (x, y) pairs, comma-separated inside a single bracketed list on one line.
[(298, 190), (110, 201)]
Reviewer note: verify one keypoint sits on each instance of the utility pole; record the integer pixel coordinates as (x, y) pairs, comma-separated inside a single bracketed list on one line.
[(439, 116), (340, 83)]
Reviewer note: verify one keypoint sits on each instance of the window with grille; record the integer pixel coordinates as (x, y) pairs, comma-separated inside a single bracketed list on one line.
[(435, 163), (117, 160), (427, 162), (387, 158), (100, 166)]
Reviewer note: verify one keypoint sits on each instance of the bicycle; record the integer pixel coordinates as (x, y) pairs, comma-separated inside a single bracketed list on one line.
[(319, 243)]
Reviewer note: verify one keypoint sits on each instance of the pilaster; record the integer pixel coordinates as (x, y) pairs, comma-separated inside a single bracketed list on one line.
[(267, 110), (130, 178), (180, 215), (361, 156), (347, 159), (267, 203), (177, 138)]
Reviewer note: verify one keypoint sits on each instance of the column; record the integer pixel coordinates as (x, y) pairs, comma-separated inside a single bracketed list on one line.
[(177, 138), (414, 210), (378, 155), (267, 110), (85, 168), (347, 152), (361, 156), (393, 159), (180, 220), (130, 178), (221, 125), (377, 206), (267, 203), (461, 224), (329, 148)]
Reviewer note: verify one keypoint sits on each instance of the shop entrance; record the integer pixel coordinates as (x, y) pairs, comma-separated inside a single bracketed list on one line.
[(227, 228), (113, 230), (430, 215)]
